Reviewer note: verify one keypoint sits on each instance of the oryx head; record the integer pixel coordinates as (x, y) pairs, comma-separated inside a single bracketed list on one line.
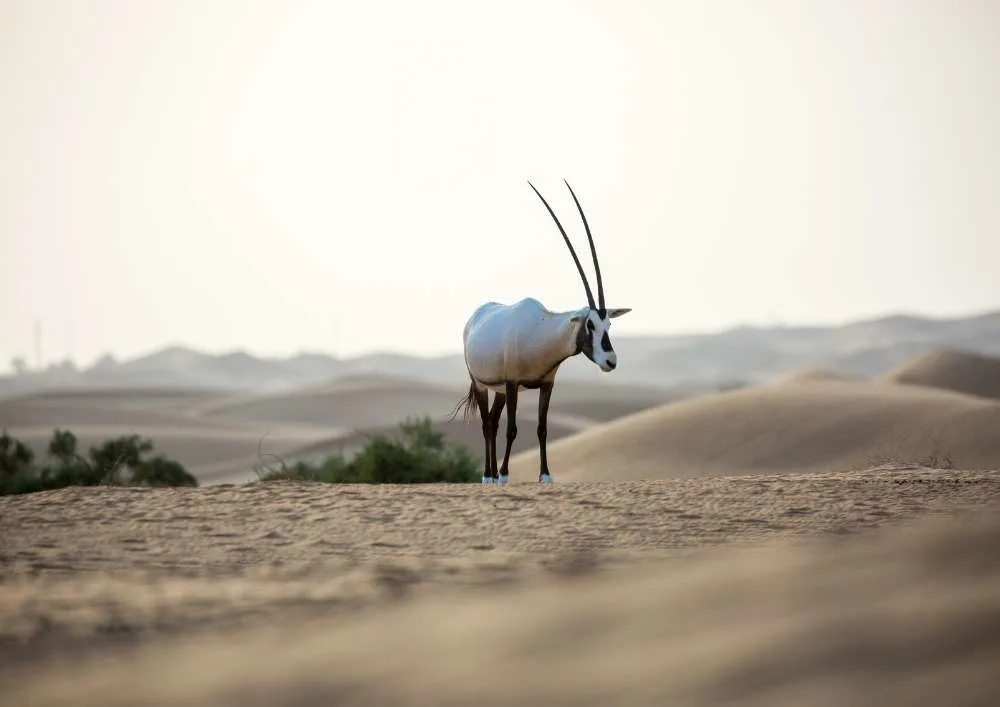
[(593, 338)]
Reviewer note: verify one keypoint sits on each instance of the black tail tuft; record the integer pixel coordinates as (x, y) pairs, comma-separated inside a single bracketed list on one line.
[(467, 405)]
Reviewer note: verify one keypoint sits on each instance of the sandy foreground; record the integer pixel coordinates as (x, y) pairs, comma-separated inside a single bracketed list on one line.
[(879, 587)]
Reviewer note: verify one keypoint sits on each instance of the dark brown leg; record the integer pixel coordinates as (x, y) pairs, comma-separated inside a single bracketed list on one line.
[(511, 429), (498, 403), (482, 401), (544, 396)]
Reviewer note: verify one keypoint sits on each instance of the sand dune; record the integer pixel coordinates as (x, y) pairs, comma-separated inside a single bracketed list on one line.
[(215, 435), (950, 369), (805, 426), (146, 397), (875, 587)]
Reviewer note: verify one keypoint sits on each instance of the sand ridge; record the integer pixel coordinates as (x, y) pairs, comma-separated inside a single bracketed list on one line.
[(951, 369), (794, 427)]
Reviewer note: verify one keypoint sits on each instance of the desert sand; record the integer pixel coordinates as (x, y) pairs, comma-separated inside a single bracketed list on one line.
[(873, 587)]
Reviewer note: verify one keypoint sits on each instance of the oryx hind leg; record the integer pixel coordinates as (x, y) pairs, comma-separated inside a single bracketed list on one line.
[(499, 400), (482, 396), (511, 430)]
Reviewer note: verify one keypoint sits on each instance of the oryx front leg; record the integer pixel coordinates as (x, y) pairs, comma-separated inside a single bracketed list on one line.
[(511, 430), (544, 396)]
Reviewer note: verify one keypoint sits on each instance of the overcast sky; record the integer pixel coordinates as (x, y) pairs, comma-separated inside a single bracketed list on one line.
[(351, 176)]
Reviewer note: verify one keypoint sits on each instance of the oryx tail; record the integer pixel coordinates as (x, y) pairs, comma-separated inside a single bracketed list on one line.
[(467, 405)]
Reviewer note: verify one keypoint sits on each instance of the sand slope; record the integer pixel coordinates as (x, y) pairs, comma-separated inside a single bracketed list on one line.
[(951, 369), (802, 426), (635, 594)]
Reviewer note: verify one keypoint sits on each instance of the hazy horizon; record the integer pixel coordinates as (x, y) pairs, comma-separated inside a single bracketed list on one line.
[(456, 350), (309, 176)]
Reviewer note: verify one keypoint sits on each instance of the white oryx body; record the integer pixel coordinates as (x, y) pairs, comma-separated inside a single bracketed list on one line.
[(523, 342), (510, 347)]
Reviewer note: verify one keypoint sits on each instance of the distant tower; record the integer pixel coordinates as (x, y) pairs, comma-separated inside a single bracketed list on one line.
[(69, 341), (38, 344)]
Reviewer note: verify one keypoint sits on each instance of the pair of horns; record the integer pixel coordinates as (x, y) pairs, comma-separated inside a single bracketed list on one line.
[(593, 251)]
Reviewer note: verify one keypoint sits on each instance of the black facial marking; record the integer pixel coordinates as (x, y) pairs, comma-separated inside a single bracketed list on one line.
[(606, 343), (585, 342)]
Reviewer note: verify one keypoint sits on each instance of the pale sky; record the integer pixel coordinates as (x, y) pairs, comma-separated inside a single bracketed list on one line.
[(351, 176)]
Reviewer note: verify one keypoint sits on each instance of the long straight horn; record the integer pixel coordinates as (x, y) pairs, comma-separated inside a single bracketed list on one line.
[(593, 252), (586, 285)]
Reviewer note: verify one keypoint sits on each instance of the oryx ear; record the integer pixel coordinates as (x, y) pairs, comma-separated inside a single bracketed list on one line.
[(612, 313)]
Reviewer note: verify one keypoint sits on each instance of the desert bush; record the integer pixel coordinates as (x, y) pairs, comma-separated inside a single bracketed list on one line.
[(419, 456), (121, 461), (15, 457)]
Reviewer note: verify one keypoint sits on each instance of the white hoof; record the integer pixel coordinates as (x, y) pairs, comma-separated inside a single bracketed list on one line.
[(488, 481), (503, 480), (545, 479)]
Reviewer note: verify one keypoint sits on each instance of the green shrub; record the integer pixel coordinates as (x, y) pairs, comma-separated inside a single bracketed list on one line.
[(122, 461), (421, 456)]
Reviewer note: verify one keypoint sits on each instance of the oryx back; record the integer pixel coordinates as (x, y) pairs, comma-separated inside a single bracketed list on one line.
[(522, 342)]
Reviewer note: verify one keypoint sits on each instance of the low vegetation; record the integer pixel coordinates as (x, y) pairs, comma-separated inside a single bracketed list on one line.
[(419, 456), (122, 461)]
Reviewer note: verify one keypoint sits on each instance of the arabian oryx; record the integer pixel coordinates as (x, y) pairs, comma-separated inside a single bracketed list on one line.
[(510, 347)]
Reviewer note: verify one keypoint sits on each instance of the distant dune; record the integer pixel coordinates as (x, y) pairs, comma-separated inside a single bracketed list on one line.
[(803, 426), (370, 401), (951, 369), (379, 401), (117, 408), (741, 355), (814, 374)]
